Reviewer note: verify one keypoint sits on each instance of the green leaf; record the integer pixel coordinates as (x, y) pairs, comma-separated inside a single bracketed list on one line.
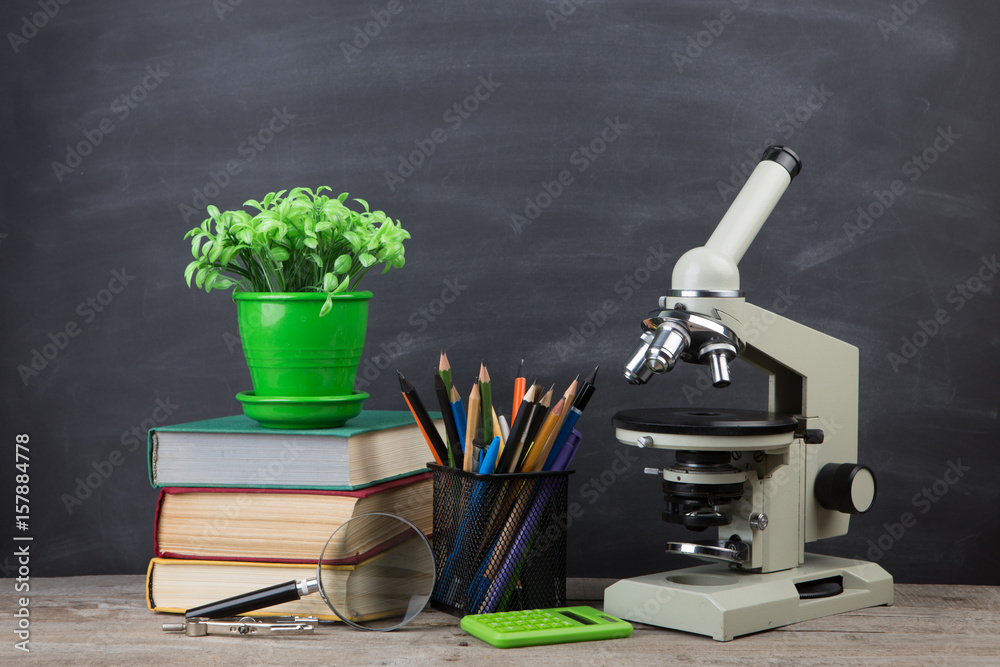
[(343, 264), (329, 281), (189, 271), (310, 242), (327, 305), (363, 203), (279, 254), (342, 196), (343, 285), (366, 259)]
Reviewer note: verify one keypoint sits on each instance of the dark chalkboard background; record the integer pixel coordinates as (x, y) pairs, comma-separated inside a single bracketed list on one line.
[(692, 89)]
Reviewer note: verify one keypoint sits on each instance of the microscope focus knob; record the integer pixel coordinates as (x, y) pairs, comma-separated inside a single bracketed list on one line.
[(846, 487)]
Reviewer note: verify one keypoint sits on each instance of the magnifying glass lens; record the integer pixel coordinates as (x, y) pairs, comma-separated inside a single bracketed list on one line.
[(376, 571)]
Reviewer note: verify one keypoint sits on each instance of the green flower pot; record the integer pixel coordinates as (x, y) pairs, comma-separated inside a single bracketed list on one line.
[(292, 351)]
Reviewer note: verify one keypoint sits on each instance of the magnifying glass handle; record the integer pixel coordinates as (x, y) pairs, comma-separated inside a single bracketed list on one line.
[(264, 597)]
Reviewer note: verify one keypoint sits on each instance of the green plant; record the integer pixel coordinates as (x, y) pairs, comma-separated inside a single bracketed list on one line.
[(302, 242)]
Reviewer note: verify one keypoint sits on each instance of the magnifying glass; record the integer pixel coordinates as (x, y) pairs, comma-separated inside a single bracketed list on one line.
[(376, 572)]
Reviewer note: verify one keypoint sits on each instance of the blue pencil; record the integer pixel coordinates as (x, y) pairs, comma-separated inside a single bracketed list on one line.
[(459, 411)]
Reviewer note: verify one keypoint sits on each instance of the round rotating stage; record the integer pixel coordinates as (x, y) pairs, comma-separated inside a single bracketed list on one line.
[(704, 428)]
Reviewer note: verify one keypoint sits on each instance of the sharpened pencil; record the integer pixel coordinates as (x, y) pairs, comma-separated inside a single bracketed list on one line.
[(431, 435), (444, 370), (486, 396), (471, 426), (519, 389), (459, 410), (538, 447), (512, 451), (450, 428)]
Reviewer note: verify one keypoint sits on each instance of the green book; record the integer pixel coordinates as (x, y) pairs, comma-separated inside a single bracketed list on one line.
[(236, 452)]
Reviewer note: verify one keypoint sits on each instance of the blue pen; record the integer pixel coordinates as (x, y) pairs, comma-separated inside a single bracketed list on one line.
[(490, 460)]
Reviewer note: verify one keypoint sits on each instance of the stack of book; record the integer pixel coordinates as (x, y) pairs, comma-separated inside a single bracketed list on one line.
[(242, 507)]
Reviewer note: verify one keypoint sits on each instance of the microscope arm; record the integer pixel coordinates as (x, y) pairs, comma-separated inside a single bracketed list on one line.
[(815, 376)]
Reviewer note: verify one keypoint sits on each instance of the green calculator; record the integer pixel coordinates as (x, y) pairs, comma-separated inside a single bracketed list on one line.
[(534, 627)]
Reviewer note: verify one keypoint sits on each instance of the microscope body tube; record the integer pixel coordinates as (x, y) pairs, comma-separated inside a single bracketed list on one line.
[(712, 267)]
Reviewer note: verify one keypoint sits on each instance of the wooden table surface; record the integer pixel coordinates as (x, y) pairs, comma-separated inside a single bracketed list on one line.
[(104, 621)]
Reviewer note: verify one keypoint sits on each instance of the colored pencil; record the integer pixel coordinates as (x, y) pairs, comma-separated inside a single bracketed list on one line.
[(519, 389), (486, 396), (567, 398), (459, 410), (534, 425), (471, 426), (427, 427), (444, 370), (539, 449), (450, 427)]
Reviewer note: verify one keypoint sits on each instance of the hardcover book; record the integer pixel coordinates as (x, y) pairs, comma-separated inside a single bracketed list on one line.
[(236, 452)]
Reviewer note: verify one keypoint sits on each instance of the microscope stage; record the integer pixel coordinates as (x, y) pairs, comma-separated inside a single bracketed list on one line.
[(704, 428)]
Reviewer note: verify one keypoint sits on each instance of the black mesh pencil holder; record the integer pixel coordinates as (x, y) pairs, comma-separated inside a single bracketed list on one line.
[(499, 540)]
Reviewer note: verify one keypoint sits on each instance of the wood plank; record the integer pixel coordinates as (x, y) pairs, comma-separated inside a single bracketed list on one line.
[(103, 621)]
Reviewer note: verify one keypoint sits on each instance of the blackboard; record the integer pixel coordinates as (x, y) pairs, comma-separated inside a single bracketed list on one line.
[(551, 160)]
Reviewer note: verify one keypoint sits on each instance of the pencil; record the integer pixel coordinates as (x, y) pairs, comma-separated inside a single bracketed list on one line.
[(471, 426), (459, 411), (546, 459), (498, 430), (427, 427), (486, 396), (516, 431), (534, 424), (539, 449), (519, 389), (515, 443), (444, 370), (579, 405), (450, 427)]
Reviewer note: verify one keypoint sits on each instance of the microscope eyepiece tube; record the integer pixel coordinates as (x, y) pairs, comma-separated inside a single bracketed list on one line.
[(755, 201)]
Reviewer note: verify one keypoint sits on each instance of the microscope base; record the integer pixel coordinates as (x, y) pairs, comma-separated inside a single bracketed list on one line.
[(724, 603)]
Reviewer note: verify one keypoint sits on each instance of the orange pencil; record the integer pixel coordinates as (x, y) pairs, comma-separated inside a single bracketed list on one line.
[(539, 450), (519, 388)]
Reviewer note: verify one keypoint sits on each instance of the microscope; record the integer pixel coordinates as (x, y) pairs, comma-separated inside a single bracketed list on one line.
[(768, 482)]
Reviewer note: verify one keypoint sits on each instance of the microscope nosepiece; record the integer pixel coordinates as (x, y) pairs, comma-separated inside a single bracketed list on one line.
[(669, 341)]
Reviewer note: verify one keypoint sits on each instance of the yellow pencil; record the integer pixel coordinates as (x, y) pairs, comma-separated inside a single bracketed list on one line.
[(471, 426)]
